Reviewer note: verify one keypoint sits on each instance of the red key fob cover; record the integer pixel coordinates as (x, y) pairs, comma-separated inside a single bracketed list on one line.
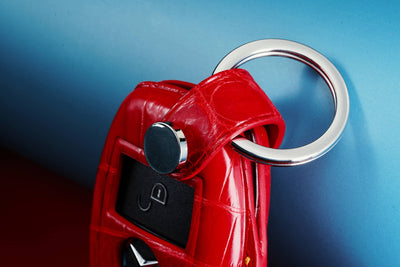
[(213, 209)]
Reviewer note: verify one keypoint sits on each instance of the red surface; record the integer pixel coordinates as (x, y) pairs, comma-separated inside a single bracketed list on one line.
[(224, 229), (44, 217)]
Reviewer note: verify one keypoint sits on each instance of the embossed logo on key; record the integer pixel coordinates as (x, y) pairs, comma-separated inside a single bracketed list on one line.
[(158, 194)]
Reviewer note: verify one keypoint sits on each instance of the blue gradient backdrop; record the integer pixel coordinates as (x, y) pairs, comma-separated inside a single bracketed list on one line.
[(65, 67)]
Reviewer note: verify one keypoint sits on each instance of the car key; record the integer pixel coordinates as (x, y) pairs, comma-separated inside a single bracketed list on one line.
[(171, 187)]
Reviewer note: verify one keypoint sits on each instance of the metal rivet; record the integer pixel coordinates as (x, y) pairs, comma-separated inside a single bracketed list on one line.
[(164, 147)]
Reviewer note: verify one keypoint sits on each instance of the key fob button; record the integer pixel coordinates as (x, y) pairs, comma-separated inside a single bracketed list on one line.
[(137, 253), (159, 193), (156, 203)]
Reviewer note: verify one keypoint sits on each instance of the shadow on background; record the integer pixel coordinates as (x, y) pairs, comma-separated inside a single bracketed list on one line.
[(312, 211)]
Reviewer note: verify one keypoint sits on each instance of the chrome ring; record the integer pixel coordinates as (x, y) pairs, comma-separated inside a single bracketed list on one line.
[(337, 86)]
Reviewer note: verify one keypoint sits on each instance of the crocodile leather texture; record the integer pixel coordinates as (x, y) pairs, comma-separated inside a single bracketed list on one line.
[(231, 193)]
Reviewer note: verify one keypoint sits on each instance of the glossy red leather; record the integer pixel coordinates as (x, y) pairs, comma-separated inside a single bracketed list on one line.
[(225, 230)]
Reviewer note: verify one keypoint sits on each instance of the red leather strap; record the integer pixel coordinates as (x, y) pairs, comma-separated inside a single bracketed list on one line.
[(221, 107), (210, 114)]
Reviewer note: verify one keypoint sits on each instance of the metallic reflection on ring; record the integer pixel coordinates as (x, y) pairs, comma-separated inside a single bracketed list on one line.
[(337, 86)]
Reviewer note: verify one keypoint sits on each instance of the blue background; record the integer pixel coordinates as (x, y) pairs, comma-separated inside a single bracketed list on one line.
[(65, 67)]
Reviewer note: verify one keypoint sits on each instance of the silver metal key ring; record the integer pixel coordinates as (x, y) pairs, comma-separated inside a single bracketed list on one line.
[(337, 86)]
